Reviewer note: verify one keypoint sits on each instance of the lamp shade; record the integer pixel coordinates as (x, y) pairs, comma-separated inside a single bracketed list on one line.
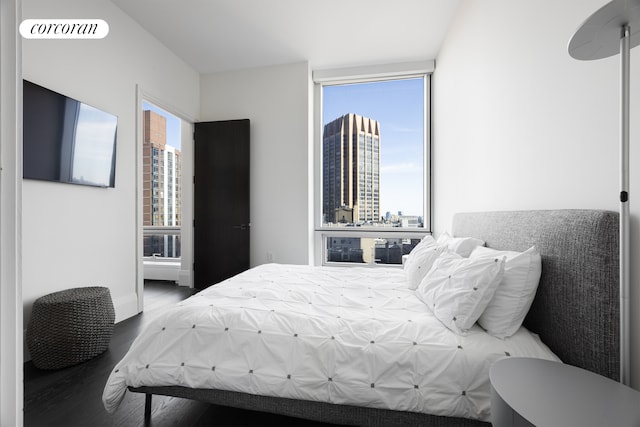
[(599, 36)]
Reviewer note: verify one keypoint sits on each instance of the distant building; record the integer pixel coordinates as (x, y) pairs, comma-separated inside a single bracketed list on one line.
[(351, 169), (344, 214), (160, 174), (389, 251), (409, 221), (344, 249)]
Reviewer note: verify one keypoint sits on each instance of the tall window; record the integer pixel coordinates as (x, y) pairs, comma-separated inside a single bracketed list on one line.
[(373, 160)]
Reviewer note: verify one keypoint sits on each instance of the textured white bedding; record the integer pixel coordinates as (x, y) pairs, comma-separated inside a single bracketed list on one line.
[(355, 336)]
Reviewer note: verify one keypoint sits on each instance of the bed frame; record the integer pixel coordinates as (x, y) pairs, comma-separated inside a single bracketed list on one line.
[(575, 312)]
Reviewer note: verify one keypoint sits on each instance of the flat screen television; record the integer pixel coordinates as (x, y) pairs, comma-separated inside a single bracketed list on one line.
[(65, 140)]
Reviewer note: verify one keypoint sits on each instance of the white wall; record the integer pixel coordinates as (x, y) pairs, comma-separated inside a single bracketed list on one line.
[(85, 236), (11, 375), (519, 124), (276, 100)]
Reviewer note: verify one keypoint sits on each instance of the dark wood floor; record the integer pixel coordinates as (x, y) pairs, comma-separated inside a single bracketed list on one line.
[(73, 396)]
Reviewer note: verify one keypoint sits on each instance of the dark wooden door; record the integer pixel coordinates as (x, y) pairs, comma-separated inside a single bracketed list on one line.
[(221, 201)]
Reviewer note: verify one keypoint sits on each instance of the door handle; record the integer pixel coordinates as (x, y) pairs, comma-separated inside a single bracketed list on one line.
[(242, 226)]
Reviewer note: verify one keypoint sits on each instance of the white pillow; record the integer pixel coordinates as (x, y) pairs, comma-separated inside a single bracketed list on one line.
[(420, 260), (463, 246), (426, 241), (458, 289), (515, 293)]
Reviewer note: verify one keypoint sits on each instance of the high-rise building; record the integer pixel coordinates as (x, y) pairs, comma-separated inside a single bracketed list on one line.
[(351, 170), (160, 174)]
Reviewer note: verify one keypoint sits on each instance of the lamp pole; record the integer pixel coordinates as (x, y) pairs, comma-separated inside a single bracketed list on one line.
[(625, 351), (615, 29)]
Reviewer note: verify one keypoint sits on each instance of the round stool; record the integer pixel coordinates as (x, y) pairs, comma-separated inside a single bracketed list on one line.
[(70, 326)]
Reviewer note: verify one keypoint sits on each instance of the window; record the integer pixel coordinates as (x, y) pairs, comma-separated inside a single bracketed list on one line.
[(161, 182), (372, 196)]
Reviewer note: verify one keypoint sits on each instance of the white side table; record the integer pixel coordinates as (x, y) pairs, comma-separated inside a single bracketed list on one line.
[(536, 392)]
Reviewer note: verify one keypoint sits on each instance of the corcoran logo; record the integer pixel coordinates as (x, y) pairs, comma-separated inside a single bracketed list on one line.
[(64, 29)]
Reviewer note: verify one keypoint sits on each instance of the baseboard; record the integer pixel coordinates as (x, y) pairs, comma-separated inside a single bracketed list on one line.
[(126, 306), (185, 278)]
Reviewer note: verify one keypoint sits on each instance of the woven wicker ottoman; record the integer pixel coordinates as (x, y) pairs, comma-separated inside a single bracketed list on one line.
[(70, 326)]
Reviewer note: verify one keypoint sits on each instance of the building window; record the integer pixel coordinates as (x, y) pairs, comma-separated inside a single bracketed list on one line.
[(373, 160), (161, 169)]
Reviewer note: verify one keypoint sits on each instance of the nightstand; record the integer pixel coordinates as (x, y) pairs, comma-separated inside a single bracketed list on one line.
[(536, 392)]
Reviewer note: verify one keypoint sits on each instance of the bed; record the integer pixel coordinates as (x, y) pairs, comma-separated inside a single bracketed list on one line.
[(574, 317)]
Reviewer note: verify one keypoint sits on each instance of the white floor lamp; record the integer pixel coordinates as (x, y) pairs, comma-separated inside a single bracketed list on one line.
[(613, 29)]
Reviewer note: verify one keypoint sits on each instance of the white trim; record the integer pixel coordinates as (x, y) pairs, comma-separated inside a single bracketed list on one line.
[(146, 96), (11, 305), (186, 204), (311, 183), (139, 211), (426, 157), (186, 274), (373, 72), (317, 241)]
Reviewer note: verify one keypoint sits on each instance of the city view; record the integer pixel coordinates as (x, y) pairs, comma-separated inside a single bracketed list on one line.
[(373, 167), (394, 120), (161, 177)]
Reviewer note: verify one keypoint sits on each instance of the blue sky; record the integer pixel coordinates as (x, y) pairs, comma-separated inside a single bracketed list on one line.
[(399, 107), (173, 124)]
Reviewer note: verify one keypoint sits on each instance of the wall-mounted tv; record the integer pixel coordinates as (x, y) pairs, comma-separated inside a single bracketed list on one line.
[(65, 140)]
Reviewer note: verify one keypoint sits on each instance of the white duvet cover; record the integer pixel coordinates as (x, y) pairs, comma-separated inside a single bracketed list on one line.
[(354, 336)]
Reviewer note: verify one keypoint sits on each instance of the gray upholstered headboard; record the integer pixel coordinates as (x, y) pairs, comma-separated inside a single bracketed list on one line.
[(577, 306)]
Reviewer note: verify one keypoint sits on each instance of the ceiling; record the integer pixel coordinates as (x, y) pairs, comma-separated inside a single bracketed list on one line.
[(222, 35)]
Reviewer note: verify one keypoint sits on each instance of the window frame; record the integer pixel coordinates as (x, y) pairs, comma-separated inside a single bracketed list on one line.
[(322, 78)]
